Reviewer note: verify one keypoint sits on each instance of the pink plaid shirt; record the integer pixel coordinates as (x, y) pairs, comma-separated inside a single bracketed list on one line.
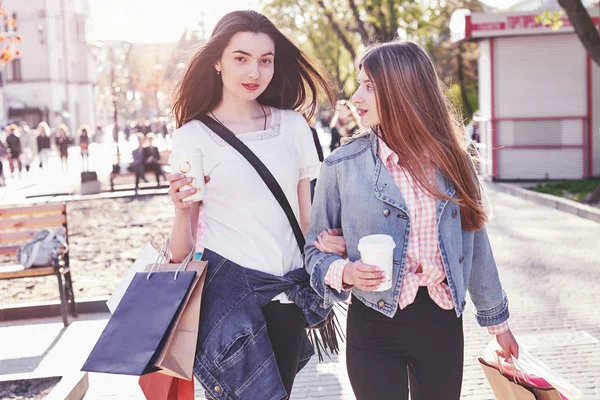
[(424, 265)]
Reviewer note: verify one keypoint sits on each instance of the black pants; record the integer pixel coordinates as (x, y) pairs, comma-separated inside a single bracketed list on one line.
[(422, 346), (286, 326)]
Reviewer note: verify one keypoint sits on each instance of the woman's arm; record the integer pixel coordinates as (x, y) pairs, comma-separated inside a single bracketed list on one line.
[(326, 214), (304, 204), (183, 235)]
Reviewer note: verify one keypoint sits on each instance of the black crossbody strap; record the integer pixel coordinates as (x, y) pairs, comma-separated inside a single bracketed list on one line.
[(228, 136)]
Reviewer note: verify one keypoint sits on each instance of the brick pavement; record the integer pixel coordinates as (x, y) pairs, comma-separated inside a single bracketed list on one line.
[(548, 263)]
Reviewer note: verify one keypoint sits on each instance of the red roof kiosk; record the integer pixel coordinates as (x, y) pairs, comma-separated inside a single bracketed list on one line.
[(539, 96)]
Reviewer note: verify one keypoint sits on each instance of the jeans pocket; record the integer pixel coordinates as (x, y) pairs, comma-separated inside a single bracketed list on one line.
[(235, 350)]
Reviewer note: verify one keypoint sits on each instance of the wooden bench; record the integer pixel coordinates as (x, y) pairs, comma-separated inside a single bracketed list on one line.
[(18, 225), (127, 160)]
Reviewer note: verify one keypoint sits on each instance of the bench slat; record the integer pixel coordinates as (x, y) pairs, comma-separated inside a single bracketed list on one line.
[(33, 222), (18, 271), (16, 236), (33, 210), (8, 250)]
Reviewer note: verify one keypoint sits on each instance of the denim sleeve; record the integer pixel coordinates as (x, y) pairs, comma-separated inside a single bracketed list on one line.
[(326, 214), (485, 289)]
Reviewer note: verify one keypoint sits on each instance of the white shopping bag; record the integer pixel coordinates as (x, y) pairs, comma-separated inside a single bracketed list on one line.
[(529, 365), (149, 255)]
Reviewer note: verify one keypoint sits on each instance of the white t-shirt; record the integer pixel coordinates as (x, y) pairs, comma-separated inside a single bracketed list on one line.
[(243, 220)]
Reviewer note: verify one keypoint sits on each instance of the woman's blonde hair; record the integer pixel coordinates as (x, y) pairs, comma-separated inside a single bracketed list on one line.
[(65, 129), (417, 119), (43, 126)]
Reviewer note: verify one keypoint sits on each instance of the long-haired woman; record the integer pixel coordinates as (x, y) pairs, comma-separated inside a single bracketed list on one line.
[(410, 177), (252, 80), (63, 141), (43, 144)]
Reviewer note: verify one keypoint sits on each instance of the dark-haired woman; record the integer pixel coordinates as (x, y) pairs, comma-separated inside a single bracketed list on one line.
[(257, 299)]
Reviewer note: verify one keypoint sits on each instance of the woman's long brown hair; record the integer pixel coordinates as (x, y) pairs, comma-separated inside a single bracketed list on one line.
[(294, 85), (417, 119)]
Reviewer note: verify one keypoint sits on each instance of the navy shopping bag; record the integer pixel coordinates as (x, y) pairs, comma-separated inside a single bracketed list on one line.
[(137, 330)]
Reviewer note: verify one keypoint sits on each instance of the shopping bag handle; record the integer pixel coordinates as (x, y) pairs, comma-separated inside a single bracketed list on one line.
[(515, 370), (162, 256)]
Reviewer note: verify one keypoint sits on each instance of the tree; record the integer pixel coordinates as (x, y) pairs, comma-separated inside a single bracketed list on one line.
[(10, 39), (584, 27), (335, 31), (590, 38)]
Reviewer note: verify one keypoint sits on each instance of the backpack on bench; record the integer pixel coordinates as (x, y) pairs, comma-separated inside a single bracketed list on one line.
[(42, 249)]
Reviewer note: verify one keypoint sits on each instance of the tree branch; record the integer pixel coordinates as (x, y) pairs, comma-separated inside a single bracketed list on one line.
[(336, 28), (584, 27), (461, 82), (364, 36)]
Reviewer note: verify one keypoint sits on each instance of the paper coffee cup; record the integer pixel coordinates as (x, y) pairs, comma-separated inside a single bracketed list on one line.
[(378, 250), (191, 165)]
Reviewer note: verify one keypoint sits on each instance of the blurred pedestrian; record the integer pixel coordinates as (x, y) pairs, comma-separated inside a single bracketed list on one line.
[(15, 149), (139, 156), (84, 144), (29, 144), (43, 144), (344, 124), (3, 155), (99, 135), (127, 132), (152, 158), (63, 141)]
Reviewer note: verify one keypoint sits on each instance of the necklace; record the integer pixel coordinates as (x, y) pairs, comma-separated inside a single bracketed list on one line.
[(261, 107)]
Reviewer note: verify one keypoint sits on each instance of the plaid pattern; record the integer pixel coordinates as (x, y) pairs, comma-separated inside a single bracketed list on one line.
[(424, 265), (335, 274), (424, 262)]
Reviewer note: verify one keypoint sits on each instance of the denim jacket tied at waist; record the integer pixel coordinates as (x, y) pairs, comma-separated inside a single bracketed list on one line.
[(234, 357)]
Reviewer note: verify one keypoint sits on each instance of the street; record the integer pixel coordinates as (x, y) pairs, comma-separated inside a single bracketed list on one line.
[(549, 265), (548, 262), (55, 180)]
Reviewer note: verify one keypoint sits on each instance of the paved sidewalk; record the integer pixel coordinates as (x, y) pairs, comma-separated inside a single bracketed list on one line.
[(549, 264)]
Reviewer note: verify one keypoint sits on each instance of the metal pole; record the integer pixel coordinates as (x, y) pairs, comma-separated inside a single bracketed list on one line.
[(115, 104), (66, 65)]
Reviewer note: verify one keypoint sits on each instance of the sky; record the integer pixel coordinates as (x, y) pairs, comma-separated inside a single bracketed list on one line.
[(154, 21)]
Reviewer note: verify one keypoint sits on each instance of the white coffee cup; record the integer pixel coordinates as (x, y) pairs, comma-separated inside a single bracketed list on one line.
[(378, 250), (191, 165)]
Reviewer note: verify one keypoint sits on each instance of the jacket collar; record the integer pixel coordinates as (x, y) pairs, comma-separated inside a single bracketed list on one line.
[(385, 188)]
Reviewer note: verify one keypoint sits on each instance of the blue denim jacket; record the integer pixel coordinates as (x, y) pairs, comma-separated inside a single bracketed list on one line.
[(355, 192), (234, 357)]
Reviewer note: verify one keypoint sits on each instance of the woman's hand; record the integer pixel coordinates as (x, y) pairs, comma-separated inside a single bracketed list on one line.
[(363, 276), (176, 182), (509, 345), (331, 241)]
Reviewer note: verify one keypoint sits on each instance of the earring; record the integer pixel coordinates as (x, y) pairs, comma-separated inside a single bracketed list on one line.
[(218, 72)]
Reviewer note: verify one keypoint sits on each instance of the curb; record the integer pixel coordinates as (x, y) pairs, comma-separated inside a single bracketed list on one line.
[(45, 309), (559, 203)]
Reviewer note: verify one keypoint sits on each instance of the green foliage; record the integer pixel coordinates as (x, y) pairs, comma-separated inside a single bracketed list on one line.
[(334, 31), (454, 94), (575, 189), (551, 19)]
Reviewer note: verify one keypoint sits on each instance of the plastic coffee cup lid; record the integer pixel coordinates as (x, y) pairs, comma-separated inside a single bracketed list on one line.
[(377, 243)]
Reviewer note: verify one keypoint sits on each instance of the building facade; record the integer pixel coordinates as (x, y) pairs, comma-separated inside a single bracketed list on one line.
[(55, 78), (539, 96)]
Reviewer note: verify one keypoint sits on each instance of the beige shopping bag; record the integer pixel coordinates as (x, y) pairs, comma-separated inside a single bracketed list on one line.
[(506, 389), (177, 356)]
